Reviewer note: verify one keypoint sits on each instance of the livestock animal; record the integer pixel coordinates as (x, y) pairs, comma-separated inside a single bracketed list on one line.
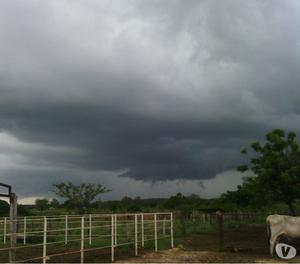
[(281, 225)]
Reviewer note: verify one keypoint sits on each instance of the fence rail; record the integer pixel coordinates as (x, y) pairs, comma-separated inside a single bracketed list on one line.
[(46, 237), (235, 216)]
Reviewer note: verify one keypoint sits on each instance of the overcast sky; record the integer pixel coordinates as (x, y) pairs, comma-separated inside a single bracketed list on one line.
[(148, 98)]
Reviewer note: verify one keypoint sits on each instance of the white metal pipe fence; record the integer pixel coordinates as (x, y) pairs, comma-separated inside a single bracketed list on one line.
[(44, 238)]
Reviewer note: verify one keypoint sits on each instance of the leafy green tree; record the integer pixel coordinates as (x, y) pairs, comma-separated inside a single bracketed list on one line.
[(4, 208), (176, 201), (42, 204), (244, 197), (54, 203), (79, 197), (276, 168), (23, 210), (127, 200), (112, 206), (134, 208)]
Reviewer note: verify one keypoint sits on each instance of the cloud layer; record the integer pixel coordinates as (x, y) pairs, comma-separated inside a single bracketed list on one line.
[(153, 91)]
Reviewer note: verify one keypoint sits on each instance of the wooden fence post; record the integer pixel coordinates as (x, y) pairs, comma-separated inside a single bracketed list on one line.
[(207, 217), (24, 229), (220, 231), (90, 229), (155, 231), (128, 233), (135, 235), (13, 226), (112, 239), (142, 230), (171, 223), (66, 229), (236, 216), (4, 231)]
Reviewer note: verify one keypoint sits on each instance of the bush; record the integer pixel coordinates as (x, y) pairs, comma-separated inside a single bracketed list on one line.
[(4, 208)]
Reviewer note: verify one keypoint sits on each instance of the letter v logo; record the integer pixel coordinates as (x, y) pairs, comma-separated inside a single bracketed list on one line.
[(285, 251)]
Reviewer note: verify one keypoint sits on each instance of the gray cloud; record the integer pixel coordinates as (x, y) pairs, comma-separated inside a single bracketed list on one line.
[(153, 91)]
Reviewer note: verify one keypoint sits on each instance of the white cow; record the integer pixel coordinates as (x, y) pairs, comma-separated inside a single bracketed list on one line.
[(278, 225)]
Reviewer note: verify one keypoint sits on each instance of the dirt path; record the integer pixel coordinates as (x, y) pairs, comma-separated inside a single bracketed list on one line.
[(245, 244), (177, 255)]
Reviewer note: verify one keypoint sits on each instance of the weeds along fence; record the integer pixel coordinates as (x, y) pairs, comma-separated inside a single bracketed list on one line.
[(221, 224), (202, 222), (229, 217), (46, 238)]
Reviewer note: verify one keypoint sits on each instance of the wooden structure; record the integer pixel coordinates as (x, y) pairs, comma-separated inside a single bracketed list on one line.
[(13, 201)]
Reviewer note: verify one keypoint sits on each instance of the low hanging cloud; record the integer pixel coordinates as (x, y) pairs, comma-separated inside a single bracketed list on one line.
[(152, 91)]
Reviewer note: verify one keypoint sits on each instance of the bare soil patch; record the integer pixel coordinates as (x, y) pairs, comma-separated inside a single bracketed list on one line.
[(177, 255), (245, 244)]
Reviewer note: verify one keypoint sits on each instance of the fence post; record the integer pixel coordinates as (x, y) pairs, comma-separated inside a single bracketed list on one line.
[(4, 231), (135, 235), (219, 219), (24, 227), (236, 215), (82, 241), (90, 229), (13, 226), (142, 230), (127, 230), (112, 239), (45, 240), (115, 233), (66, 229), (164, 226), (155, 231), (172, 239)]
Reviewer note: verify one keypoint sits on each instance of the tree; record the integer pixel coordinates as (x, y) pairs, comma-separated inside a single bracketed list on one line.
[(54, 203), (4, 208), (23, 210), (177, 202), (245, 196), (134, 208), (42, 204), (126, 200), (276, 165), (79, 197)]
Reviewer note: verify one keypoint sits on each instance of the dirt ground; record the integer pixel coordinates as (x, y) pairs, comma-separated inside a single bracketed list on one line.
[(177, 255), (241, 245)]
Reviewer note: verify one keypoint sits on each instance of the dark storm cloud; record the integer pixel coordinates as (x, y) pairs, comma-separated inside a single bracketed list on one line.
[(150, 148), (153, 90)]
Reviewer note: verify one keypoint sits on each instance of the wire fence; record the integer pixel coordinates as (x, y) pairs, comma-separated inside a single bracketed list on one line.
[(44, 238), (243, 217)]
